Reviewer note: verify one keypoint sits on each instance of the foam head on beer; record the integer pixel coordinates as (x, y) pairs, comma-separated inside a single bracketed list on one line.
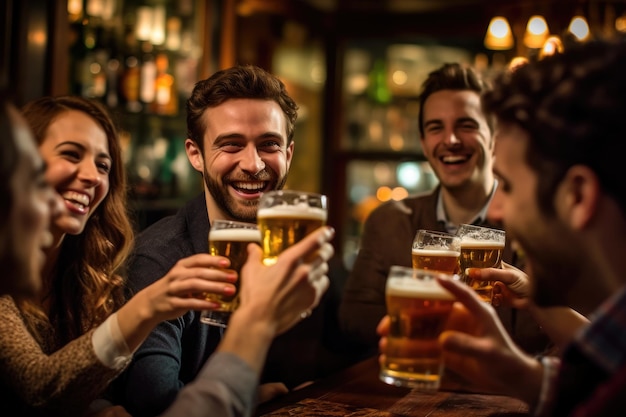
[(427, 289), (472, 233), (235, 235), (285, 217), (436, 251)]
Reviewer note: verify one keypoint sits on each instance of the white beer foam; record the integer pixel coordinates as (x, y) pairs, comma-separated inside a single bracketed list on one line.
[(477, 243), (436, 252), (413, 288), (236, 235), (300, 211)]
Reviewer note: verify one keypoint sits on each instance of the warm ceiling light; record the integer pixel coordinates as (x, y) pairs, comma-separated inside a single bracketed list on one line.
[(620, 23), (552, 46), (75, 7), (536, 32), (499, 36), (579, 28)]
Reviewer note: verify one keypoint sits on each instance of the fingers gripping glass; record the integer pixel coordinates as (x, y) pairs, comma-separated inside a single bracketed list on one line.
[(229, 239)]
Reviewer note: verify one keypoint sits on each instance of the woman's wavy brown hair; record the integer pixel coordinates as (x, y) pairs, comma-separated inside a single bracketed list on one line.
[(87, 285)]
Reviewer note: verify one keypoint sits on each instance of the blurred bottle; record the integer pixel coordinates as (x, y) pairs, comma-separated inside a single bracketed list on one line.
[(112, 72), (78, 55), (378, 89), (94, 75), (131, 74), (166, 98), (130, 83), (148, 73)]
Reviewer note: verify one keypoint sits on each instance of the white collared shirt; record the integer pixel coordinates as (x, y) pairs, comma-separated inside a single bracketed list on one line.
[(479, 218)]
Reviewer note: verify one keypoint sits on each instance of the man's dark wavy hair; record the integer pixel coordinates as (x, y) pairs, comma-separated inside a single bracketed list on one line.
[(238, 82), (573, 107), (451, 76)]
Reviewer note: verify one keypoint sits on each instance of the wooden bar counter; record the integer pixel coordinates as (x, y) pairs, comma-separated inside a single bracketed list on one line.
[(357, 392)]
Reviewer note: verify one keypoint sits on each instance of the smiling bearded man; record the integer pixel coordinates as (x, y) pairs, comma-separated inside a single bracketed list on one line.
[(245, 152), (240, 127)]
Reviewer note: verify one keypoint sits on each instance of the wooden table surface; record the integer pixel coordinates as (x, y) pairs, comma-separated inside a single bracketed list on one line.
[(357, 392)]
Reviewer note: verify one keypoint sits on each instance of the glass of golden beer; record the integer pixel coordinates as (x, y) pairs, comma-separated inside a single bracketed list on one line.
[(418, 308), (481, 247), (436, 251), (285, 217), (229, 239)]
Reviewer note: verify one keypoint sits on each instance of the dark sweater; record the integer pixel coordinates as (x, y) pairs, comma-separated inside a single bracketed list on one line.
[(175, 351)]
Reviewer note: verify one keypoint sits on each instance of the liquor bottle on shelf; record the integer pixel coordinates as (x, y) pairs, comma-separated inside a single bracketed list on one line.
[(166, 97), (94, 76), (101, 71), (112, 72), (86, 68), (378, 89), (78, 55), (130, 74), (147, 80), (129, 84), (111, 66)]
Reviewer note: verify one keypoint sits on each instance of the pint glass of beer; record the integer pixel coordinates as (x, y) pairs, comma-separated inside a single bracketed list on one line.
[(436, 251), (481, 247), (229, 239), (418, 308), (286, 217)]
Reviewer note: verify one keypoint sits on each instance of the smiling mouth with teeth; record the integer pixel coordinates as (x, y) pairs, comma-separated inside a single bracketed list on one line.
[(247, 187), (79, 200), (454, 159)]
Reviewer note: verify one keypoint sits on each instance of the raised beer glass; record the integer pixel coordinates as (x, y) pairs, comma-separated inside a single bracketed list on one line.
[(418, 308), (229, 239), (481, 247), (436, 251), (285, 217)]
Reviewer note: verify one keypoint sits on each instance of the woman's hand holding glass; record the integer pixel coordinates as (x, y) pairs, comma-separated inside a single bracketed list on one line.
[(230, 239), (180, 289)]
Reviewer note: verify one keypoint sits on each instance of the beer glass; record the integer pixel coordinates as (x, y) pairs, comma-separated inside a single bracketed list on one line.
[(481, 247), (286, 217), (229, 239), (436, 251), (418, 308)]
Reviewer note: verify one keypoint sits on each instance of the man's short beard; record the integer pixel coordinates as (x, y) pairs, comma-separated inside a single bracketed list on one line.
[(225, 202)]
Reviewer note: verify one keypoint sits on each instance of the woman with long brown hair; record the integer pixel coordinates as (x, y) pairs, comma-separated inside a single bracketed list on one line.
[(60, 350)]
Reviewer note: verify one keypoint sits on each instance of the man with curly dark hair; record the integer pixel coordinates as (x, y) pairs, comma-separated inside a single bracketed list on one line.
[(558, 154)]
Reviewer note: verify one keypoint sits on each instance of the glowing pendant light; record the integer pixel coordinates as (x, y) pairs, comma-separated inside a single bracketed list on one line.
[(499, 36), (536, 32), (579, 28)]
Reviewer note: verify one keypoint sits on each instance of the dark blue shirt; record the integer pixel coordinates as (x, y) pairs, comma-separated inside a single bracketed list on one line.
[(175, 351)]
